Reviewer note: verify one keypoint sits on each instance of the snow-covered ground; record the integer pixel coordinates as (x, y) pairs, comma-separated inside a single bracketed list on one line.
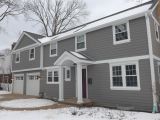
[(77, 114), (4, 92), (26, 103)]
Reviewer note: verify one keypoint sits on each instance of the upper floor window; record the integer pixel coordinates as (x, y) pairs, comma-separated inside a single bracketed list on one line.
[(53, 49), (53, 76), (157, 31), (121, 33), (32, 54), (80, 43), (125, 76), (17, 58)]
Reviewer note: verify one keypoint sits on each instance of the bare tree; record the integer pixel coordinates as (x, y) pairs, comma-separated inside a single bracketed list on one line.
[(55, 16), (9, 8)]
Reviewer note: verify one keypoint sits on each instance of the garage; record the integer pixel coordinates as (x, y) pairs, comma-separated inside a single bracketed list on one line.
[(33, 84), (18, 83)]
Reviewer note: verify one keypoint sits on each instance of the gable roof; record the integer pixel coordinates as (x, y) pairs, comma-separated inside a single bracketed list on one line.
[(100, 23), (32, 36)]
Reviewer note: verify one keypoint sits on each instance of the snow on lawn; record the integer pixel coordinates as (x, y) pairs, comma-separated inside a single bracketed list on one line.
[(4, 92), (77, 114), (26, 103)]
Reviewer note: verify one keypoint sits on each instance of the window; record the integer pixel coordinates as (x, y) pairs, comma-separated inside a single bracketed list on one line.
[(53, 76), (67, 74), (53, 49), (157, 31), (32, 54), (19, 77), (121, 33), (80, 43), (125, 76), (159, 72), (17, 59), (33, 77)]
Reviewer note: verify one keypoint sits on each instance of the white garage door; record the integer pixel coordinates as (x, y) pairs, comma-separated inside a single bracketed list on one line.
[(33, 84), (18, 83)]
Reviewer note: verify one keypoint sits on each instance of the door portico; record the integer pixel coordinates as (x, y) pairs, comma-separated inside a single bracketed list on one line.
[(72, 59)]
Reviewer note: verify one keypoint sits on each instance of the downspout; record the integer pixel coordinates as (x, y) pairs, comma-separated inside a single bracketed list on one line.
[(151, 58)]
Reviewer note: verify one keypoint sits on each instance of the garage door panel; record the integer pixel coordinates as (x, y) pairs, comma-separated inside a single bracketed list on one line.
[(18, 84)]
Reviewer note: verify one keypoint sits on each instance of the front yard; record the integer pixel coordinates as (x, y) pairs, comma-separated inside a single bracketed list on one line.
[(65, 112)]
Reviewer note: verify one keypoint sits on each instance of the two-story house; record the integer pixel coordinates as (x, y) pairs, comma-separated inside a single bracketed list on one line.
[(113, 61)]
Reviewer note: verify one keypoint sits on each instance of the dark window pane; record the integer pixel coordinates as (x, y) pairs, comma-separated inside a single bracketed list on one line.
[(56, 79), (80, 45), (117, 81), (53, 51), (121, 36), (131, 81), (49, 79)]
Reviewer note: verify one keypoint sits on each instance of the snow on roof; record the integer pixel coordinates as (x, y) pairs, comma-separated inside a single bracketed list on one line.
[(97, 24), (78, 55)]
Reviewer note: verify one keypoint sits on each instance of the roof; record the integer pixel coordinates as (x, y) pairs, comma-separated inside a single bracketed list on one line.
[(34, 35), (100, 23)]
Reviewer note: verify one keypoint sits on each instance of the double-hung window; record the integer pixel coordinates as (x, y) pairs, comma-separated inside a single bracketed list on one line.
[(157, 31), (32, 54), (53, 76), (125, 76), (80, 43), (53, 49), (17, 58), (121, 33)]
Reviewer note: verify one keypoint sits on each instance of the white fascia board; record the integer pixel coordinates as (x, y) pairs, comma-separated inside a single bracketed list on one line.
[(25, 70)]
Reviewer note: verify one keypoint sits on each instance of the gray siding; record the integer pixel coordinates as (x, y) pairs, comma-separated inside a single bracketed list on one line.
[(155, 43), (25, 42), (100, 44), (24, 60), (100, 91)]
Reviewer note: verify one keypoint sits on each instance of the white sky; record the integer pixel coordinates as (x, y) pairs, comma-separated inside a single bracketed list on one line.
[(12, 27)]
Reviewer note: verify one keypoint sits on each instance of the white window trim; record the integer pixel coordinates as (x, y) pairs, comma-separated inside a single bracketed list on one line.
[(159, 72), (18, 75), (30, 59), (65, 77), (52, 70), (124, 87), (156, 27), (122, 41), (18, 53), (51, 48), (83, 49)]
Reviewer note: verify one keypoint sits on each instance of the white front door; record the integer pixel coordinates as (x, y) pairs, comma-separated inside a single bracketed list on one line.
[(33, 84), (18, 84)]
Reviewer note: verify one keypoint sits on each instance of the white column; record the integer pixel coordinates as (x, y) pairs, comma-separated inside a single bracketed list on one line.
[(79, 81), (61, 87)]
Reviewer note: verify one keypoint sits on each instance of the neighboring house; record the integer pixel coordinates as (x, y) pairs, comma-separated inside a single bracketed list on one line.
[(5, 69), (114, 61)]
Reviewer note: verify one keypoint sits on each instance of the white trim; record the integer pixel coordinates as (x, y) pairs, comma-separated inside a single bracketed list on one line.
[(122, 59), (85, 47), (153, 80), (158, 64), (156, 29), (124, 87), (51, 48), (156, 57), (41, 57), (19, 54), (24, 70), (65, 73), (21, 36), (30, 59), (52, 70), (128, 34)]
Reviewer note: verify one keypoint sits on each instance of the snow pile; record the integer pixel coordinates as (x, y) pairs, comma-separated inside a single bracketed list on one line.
[(26, 103), (4, 92), (77, 114)]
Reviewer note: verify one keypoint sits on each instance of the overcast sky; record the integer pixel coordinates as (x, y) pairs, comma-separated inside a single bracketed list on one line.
[(13, 27)]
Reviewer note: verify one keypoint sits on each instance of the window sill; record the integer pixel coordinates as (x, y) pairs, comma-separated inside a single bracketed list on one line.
[(122, 42), (32, 59), (17, 62), (79, 50), (53, 55), (126, 88), (52, 83)]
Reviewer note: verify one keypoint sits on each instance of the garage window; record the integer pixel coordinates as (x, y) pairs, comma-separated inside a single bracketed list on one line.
[(19, 77), (33, 77), (53, 76)]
